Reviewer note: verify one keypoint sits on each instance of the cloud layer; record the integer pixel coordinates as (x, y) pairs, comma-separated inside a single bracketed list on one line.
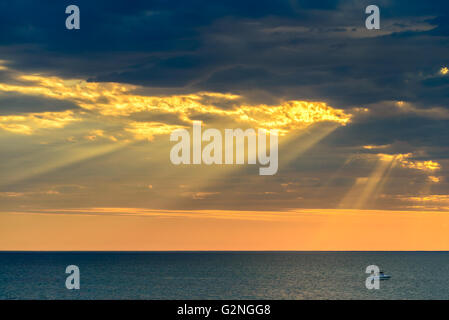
[(363, 113)]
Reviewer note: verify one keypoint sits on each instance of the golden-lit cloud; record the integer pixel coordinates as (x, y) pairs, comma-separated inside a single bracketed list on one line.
[(96, 134), (147, 130), (436, 198), (428, 201), (402, 160), (121, 100), (372, 147), (28, 123), (434, 179), (291, 115)]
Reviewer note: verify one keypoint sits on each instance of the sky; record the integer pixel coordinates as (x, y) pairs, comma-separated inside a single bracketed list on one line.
[(86, 116)]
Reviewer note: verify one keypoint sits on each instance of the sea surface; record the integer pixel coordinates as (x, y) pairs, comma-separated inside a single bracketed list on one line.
[(223, 275)]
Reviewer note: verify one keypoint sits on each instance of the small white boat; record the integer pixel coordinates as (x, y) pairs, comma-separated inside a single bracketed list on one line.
[(382, 276)]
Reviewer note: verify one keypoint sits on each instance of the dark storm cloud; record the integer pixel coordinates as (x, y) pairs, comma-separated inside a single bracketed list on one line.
[(404, 134), (294, 49), (15, 103)]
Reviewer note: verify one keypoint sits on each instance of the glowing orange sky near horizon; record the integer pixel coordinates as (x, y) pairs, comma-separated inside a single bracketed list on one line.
[(326, 230)]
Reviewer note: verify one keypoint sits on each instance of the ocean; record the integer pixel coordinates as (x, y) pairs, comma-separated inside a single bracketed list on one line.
[(223, 275)]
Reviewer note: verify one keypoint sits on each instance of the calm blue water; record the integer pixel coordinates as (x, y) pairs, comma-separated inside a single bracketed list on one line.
[(224, 275)]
